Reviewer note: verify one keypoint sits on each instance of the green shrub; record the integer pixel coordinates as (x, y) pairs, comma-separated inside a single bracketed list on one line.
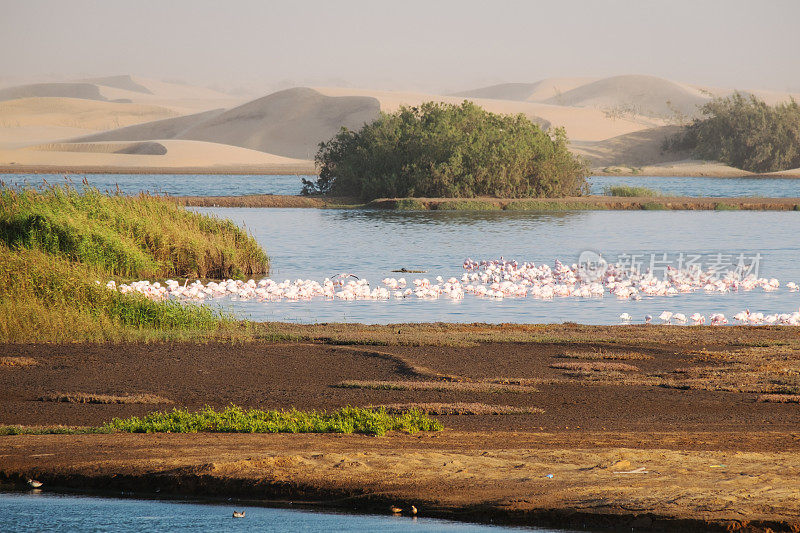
[(725, 207), (445, 150), (234, 419), (630, 191), (744, 132), (141, 236), (653, 206)]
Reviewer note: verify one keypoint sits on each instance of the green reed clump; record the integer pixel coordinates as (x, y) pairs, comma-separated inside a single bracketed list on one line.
[(235, 419), (132, 236), (630, 191), (467, 205), (47, 297)]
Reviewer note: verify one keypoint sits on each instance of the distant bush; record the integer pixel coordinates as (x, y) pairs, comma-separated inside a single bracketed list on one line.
[(445, 150), (744, 132), (629, 191)]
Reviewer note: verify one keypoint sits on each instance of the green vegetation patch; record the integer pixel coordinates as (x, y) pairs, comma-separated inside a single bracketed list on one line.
[(235, 419), (630, 191), (47, 297), (443, 150), (744, 132), (653, 206), (139, 236), (725, 207)]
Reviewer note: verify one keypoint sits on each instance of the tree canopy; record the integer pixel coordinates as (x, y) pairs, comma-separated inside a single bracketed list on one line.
[(446, 150), (746, 133)]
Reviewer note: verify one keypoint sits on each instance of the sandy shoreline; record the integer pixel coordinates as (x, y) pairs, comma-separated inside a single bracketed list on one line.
[(499, 477)]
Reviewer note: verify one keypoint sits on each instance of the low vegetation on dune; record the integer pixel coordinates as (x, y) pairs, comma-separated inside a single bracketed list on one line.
[(234, 419), (59, 247), (744, 132), (139, 236), (446, 150)]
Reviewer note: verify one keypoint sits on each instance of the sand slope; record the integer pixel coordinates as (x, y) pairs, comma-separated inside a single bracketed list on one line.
[(532, 92), (159, 154), (648, 95), (88, 91), (289, 123)]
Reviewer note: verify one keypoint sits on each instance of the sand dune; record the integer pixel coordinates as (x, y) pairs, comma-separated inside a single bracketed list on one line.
[(645, 95), (289, 123), (531, 92), (170, 128), (581, 123), (637, 148), (174, 154), (77, 113), (120, 82), (87, 91)]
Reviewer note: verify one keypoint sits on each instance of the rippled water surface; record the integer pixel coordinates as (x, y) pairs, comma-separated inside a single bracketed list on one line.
[(235, 185), (314, 243), (172, 184), (58, 513), (710, 187)]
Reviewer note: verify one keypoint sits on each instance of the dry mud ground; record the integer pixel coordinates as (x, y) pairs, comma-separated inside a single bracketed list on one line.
[(679, 441)]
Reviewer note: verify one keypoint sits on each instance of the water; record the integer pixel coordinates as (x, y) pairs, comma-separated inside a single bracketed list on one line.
[(315, 243), (704, 187), (235, 185), (67, 513), (172, 184)]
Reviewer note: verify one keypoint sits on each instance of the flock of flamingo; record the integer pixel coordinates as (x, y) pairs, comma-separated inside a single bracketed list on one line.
[(493, 279)]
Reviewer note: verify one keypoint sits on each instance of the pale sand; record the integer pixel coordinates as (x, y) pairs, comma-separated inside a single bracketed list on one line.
[(531, 92), (643, 95), (72, 113), (179, 154), (584, 124)]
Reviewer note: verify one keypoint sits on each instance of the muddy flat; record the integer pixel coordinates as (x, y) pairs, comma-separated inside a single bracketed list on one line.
[(645, 432)]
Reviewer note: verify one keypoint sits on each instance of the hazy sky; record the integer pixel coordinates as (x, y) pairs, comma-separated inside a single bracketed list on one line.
[(428, 44)]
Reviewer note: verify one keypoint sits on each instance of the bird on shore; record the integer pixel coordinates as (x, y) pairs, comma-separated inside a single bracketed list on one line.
[(238, 514), (395, 510), (32, 483), (413, 510), (625, 317)]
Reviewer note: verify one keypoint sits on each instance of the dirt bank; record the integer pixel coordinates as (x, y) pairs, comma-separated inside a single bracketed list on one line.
[(480, 204)]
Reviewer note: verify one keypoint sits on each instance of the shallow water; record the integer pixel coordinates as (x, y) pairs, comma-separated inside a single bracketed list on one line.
[(235, 185), (314, 243), (703, 187), (68, 513)]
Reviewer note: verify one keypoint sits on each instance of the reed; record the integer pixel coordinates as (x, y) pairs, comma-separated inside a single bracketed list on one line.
[(130, 236)]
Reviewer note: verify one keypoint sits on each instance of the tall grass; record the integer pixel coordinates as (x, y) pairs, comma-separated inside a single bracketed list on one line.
[(46, 297), (139, 236), (235, 419)]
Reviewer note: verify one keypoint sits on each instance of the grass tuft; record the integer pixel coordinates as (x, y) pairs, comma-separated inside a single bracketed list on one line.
[(630, 191), (459, 408), (18, 361), (82, 397), (594, 366)]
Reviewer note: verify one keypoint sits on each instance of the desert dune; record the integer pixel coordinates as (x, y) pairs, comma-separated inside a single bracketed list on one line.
[(644, 95), (166, 155), (531, 92)]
